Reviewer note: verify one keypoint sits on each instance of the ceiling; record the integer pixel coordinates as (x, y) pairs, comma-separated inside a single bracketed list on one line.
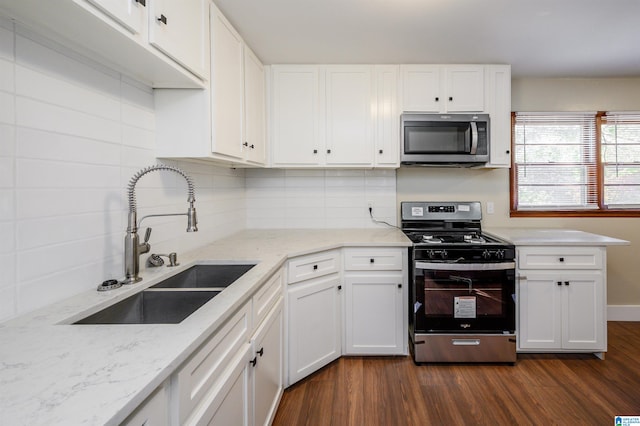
[(539, 38)]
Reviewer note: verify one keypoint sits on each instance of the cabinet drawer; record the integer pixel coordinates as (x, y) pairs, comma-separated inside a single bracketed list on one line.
[(201, 372), (265, 298), (549, 257), (376, 259), (312, 266)]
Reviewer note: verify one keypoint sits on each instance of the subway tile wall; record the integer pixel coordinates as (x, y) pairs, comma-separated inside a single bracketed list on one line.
[(72, 133), (320, 198)]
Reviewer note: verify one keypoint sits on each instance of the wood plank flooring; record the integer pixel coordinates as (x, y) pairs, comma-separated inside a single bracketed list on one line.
[(541, 389)]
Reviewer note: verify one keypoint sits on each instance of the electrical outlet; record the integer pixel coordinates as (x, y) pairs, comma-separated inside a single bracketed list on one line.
[(490, 207)]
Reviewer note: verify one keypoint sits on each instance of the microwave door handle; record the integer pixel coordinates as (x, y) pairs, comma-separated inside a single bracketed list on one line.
[(474, 138)]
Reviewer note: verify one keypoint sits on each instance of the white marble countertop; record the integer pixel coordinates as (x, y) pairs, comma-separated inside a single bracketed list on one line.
[(553, 237), (54, 373)]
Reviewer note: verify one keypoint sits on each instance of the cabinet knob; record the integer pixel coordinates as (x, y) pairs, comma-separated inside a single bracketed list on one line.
[(372, 260), (251, 146), (141, 2), (162, 19), (315, 267), (245, 144), (559, 282), (339, 287), (437, 99), (380, 152), (399, 285), (328, 151), (450, 98), (561, 259), (315, 151), (261, 352), (508, 152), (566, 283), (254, 361)]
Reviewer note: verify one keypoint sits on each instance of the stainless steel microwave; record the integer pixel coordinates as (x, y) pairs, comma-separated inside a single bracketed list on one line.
[(444, 139)]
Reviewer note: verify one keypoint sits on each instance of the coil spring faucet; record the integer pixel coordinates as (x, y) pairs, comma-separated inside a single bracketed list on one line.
[(132, 246)]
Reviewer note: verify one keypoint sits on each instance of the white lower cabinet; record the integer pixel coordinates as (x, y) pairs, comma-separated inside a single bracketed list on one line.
[(375, 309), (314, 325), (562, 299), (266, 379), (153, 411), (374, 317)]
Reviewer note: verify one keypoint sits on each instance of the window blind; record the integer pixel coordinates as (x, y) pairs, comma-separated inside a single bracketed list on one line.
[(620, 154), (555, 161)]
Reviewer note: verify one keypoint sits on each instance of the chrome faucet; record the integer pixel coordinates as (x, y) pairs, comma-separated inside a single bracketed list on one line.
[(132, 246)]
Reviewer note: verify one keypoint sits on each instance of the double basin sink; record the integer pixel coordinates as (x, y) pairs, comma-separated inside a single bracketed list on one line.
[(173, 299)]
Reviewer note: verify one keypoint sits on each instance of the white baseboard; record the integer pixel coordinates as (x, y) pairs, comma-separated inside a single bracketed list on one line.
[(623, 313)]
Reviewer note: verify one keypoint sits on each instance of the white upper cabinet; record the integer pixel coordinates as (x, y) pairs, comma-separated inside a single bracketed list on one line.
[(349, 122), (225, 122), (498, 105), (387, 118), (227, 86), (443, 88), (295, 115), (179, 29), (254, 140), (129, 13), (125, 35), (331, 116)]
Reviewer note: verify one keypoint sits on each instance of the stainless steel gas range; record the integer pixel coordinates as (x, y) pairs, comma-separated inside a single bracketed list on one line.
[(462, 296)]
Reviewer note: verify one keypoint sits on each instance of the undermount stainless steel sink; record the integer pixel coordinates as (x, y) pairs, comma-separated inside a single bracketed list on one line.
[(173, 299), (216, 276), (152, 307)]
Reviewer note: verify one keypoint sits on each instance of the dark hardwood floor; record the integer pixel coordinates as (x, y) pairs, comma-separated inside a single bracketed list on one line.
[(541, 389)]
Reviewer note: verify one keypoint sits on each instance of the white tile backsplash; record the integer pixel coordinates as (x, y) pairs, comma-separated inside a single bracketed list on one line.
[(72, 134), (319, 198)]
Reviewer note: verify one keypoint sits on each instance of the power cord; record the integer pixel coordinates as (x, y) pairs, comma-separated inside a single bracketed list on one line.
[(374, 220)]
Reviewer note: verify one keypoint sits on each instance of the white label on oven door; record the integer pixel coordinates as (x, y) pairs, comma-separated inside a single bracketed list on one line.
[(417, 211), (464, 208), (464, 307)]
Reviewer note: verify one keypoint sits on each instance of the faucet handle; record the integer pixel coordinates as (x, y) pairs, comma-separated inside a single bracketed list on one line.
[(147, 235)]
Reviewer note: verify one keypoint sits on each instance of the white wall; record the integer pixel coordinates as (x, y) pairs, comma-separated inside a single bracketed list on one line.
[(72, 134), (319, 198)]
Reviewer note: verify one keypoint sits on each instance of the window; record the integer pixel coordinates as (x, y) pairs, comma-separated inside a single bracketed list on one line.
[(575, 164)]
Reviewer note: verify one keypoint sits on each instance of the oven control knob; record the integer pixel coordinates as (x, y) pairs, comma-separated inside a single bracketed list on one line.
[(444, 254), (431, 254), (486, 254), (499, 254)]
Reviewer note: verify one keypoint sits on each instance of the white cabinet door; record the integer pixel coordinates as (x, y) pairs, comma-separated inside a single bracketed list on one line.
[(153, 411), (227, 86), (296, 116), (227, 404), (540, 303), (253, 144), (421, 88), (583, 309), (443, 88), (314, 325), (562, 311), (179, 29), (387, 118), (374, 314), (349, 122), (464, 88), (498, 105), (132, 14), (268, 366)]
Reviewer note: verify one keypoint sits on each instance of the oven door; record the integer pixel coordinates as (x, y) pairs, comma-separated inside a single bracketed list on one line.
[(464, 297)]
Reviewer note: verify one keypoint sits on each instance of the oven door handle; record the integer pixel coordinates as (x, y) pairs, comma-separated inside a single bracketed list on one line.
[(501, 266)]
